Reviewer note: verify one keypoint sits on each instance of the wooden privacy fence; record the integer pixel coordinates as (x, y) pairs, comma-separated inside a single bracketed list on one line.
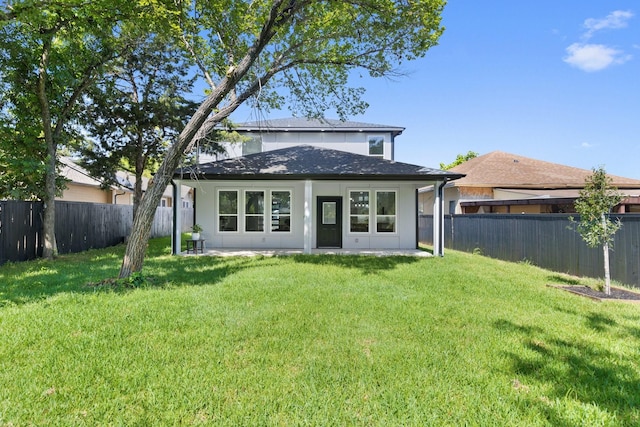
[(546, 240), (79, 227)]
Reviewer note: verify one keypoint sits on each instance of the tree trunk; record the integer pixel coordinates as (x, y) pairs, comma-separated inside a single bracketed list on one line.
[(605, 250), (50, 249), (141, 229), (607, 275), (140, 232)]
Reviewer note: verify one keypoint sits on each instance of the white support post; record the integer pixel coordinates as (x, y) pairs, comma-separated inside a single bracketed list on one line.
[(176, 233), (308, 217), (437, 219)]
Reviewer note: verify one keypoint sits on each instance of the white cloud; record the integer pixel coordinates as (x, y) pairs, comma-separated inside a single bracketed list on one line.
[(594, 57), (615, 20), (587, 145)]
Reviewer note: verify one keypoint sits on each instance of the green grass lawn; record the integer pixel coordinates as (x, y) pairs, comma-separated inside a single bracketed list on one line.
[(311, 340)]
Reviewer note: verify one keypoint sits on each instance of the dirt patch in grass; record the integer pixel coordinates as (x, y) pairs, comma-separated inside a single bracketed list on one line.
[(617, 294)]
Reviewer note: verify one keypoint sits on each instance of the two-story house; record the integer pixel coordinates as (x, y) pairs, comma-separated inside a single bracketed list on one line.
[(306, 184)]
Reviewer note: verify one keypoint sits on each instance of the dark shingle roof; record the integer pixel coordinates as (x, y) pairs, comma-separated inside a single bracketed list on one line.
[(308, 162), (300, 124)]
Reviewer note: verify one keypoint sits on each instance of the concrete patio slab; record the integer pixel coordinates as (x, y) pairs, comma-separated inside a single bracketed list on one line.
[(283, 252)]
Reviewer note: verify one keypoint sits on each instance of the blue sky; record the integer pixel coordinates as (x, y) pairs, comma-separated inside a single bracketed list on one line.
[(555, 80)]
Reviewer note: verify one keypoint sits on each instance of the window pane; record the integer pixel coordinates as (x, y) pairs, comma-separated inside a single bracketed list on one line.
[(255, 202), (359, 202), (252, 146), (228, 223), (280, 211), (281, 202), (386, 224), (281, 223), (329, 213), (360, 224), (376, 145), (254, 223), (228, 202), (386, 203)]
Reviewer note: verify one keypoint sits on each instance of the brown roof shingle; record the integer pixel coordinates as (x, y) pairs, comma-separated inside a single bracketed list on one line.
[(505, 170)]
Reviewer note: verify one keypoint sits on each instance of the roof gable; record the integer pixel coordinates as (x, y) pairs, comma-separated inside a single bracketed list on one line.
[(500, 169), (310, 162)]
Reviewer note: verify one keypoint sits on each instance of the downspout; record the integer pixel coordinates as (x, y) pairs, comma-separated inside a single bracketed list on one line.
[(441, 228), (115, 196)]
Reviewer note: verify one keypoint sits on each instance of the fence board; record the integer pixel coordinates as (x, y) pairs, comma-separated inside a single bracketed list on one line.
[(549, 241), (79, 226), (20, 231)]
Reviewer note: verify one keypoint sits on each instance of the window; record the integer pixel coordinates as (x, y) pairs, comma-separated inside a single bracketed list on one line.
[(228, 210), (376, 146), (359, 211), (254, 211), (281, 211), (385, 211), (254, 145)]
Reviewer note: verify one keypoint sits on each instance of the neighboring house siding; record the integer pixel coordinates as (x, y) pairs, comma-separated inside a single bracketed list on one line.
[(82, 193), (122, 198)]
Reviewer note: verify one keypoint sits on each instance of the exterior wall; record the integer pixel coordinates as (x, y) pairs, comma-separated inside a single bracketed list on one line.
[(405, 236), (83, 193), (122, 199), (206, 216), (451, 201), (352, 142), (474, 193), (499, 194)]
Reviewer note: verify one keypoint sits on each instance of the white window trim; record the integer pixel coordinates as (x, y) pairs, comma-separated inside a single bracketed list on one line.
[(384, 142), (291, 206), (239, 201), (241, 213), (244, 214), (349, 215), (375, 211)]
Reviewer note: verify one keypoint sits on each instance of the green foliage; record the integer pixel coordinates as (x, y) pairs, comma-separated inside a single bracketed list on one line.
[(597, 199), (136, 108), (460, 158), (50, 52), (312, 50), (310, 340)]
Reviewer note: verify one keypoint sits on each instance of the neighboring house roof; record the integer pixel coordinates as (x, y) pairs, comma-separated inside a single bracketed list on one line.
[(77, 174), (505, 170), (80, 176), (299, 124), (304, 161)]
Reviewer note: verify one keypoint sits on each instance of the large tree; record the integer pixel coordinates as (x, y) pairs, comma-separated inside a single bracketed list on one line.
[(597, 199), (311, 48), (50, 52), (136, 109)]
